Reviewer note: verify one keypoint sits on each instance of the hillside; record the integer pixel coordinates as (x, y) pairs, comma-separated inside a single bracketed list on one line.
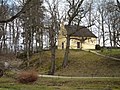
[(81, 63)]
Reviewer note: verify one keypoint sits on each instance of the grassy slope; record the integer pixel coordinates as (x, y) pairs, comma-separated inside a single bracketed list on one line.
[(81, 63)]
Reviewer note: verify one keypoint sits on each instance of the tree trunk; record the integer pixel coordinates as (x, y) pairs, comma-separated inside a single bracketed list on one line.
[(103, 29), (52, 67), (28, 53), (65, 61), (114, 39), (52, 44), (40, 40), (110, 35), (4, 39)]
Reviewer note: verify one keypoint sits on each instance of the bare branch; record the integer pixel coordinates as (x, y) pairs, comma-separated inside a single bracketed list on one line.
[(18, 14), (75, 12), (118, 4)]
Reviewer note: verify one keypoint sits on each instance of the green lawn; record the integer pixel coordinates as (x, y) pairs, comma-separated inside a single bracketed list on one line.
[(111, 52), (62, 84)]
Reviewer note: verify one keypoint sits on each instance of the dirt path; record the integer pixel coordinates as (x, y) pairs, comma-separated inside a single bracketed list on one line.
[(52, 76), (117, 59)]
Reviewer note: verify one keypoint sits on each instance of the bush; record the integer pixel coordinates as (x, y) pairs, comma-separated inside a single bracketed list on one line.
[(1, 72), (27, 77), (97, 47), (23, 55)]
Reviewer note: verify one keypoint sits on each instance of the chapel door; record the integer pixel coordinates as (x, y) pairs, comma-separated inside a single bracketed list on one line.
[(78, 44)]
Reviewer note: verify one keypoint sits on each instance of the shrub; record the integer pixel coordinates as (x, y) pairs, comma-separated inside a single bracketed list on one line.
[(21, 55), (27, 77), (1, 72), (97, 47)]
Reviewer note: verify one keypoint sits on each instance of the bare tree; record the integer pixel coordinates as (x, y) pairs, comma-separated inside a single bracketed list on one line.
[(113, 21), (101, 9), (73, 12), (3, 26), (32, 27), (53, 30)]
